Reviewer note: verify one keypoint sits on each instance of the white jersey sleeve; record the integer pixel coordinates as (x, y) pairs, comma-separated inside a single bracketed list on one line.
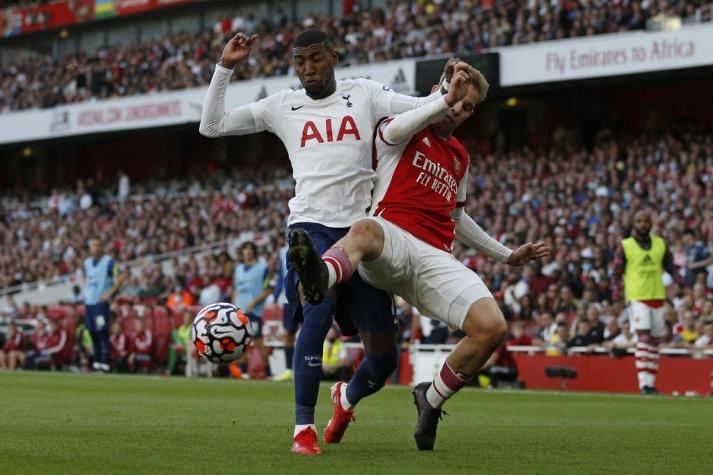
[(386, 101), (462, 191), (246, 119), (265, 112), (468, 232), (403, 126)]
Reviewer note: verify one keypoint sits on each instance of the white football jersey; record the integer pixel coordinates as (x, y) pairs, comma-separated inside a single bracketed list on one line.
[(329, 142)]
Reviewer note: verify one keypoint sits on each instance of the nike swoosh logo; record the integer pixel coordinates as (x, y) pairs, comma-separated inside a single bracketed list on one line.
[(314, 364), (295, 108)]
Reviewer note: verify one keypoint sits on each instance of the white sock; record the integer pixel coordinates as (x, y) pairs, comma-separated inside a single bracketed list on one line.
[(444, 385), (643, 377), (654, 367), (332, 274), (343, 399), (300, 427)]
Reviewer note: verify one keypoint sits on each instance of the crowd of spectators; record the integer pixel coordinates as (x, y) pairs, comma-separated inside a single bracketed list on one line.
[(46, 243), (580, 201), (403, 30)]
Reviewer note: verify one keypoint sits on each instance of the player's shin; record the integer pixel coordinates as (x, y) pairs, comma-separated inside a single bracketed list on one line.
[(308, 359), (485, 329), (646, 360), (369, 377)]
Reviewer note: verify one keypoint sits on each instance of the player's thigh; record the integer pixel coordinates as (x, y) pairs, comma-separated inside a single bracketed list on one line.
[(658, 322), (289, 320), (390, 270), (96, 317), (365, 309), (484, 317), (367, 297), (640, 316), (446, 289)]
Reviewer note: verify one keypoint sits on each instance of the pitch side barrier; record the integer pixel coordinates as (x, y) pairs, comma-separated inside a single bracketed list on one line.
[(682, 370)]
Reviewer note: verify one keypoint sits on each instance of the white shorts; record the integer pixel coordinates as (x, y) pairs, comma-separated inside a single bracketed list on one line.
[(431, 280), (643, 317)]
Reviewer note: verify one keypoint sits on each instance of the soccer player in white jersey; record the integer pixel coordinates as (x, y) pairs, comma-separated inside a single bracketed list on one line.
[(404, 246), (327, 128)]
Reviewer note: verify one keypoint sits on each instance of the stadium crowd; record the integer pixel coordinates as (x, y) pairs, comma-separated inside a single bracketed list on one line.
[(578, 200), (44, 244), (405, 29)]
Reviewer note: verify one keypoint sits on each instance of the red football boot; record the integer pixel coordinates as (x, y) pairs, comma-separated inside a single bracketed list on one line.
[(306, 443), (341, 418)]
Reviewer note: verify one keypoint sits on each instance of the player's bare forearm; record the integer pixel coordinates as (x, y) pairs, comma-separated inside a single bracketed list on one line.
[(696, 265), (261, 298), (114, 288), (668, 264)]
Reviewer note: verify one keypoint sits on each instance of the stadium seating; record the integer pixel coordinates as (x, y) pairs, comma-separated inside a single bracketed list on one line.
[(572, 204), (407, 29)]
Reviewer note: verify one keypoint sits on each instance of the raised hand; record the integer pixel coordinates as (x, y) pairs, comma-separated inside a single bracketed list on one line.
[(464, 67), (237, 49), (458, 89), (528, 252), (449, 69)]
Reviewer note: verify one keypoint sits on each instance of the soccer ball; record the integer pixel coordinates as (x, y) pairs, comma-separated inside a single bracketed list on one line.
[(220, 333)]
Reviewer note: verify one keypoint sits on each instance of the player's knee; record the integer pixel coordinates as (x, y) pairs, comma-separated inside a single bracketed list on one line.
[(644, 337), (486, 322), (366, 232)]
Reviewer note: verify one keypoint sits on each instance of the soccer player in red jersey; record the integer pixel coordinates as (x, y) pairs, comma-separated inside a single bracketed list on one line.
[(404, 246)]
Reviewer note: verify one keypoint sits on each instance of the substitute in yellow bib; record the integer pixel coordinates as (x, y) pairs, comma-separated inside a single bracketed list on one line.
[(641, 261)]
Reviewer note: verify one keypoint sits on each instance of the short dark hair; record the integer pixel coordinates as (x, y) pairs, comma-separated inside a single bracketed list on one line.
[(248, 244), (312, 37), (689, 231)]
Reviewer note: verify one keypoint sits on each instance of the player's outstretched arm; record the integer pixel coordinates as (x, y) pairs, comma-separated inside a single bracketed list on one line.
[(388, 102), (468, 232), (215, 121), (403, 126)]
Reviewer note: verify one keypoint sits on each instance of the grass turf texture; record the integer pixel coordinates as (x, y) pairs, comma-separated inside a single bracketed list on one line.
[(64, 423)]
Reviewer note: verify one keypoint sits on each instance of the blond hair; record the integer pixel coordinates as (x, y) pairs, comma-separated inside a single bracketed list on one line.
[(481, 84)]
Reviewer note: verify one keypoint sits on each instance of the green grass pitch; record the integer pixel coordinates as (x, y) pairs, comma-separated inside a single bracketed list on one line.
[(64, 423)]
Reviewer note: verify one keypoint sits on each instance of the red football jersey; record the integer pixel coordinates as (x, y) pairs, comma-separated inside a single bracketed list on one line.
[(118, 345), (142, 342), (419, 183), (13, 343)]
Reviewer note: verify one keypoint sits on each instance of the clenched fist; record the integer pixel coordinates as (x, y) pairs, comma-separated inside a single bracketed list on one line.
[(237, 49)]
